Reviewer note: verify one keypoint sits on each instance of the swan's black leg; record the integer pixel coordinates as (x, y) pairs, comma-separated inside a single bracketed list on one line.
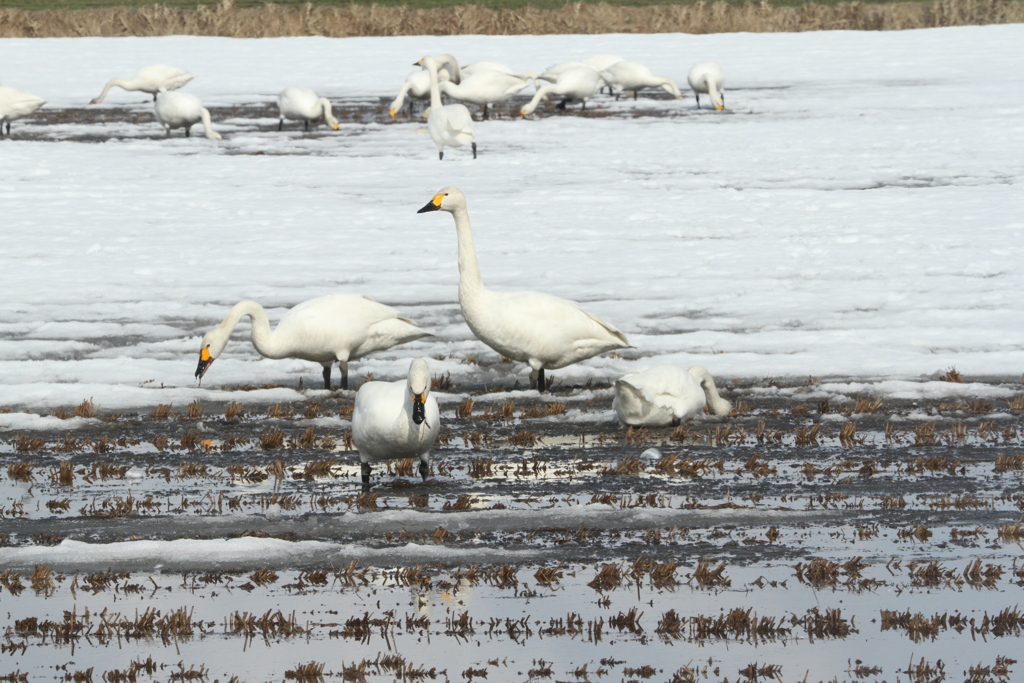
[(697, 95), (280, 125), (327, 377), (440, 155), (424, 470), (635, 93), (487, 114), (474, 150), (344, 374), (561, 105), (306, 127), (542, 383), (366, 475), (188, 131)]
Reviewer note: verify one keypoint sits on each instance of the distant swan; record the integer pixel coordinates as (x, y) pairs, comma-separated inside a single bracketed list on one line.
[(536, 328), (182, 110), (16, 104), (328, 329), (393, 420), (633, 77), (577, 84), (450, 125), (707, 77), (302, 104), (152, 79), (666, 394), (485, 88), (597, 63)]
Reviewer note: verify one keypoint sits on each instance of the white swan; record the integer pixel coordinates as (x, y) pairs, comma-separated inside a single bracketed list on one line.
[(328, 329), (632, 76), (601, 62), (16, 104), (302, 104), (181, 110), (152, 79), (416, 87), (449, 125), (541, 330), (707, 77), (577, 84), (486, 88), (393, 420), (597, 63), (666, 394)]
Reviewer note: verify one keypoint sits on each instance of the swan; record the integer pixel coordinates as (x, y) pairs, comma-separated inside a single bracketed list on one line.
[(666, 394), (451, 124), (552, 73), (577, 84), (152, 79), (393, 420), (302, 104), (16, 104), (328, 329), (181, 110), (486, 87), (623, 76), (416, 87), (539, 329), (601, 62), (706, 77), (597, 63)]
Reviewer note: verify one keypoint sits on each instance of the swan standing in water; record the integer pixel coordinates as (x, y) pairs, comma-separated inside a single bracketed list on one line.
[(16, 104), (577, 84), (328, 329), (666, 394), (182, 110), (449, 125), (539, 329), (394, 420), (302, 104), (707, 77), (632, 76), (152, 80), (485, 88)]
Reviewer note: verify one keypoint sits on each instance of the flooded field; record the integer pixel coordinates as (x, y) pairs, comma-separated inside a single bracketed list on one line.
[(813, 535)]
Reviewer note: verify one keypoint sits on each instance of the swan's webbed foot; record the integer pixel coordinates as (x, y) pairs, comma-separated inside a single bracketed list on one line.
[(366, 475), (424, 470), (327, 377), (474, 150)]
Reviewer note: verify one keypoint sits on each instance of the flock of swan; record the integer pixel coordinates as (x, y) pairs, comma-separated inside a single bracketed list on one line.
[(483, 84), (400, 419)]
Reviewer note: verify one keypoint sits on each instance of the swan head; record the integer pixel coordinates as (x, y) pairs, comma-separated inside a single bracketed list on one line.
[(210, 348), (419, 387), (447, 199)]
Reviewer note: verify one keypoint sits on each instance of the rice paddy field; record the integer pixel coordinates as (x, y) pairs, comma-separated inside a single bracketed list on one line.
[(839, 247)]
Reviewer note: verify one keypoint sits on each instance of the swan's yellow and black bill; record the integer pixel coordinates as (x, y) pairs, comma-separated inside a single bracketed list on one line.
[(433, 205), (205, 361), (392, 112), (419, 408)]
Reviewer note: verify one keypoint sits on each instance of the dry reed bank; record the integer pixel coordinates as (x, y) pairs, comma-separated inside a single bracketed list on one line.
[(270, 20)]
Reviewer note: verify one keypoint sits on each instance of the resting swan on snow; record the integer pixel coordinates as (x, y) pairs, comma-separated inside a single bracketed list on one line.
[(666, 394), (393, 420), (632, 76), (16, 104), (539, 329), (152, 79), (449, 125), (707, 77), (577, 84), (182, 110), (328, 329), (302, 104)]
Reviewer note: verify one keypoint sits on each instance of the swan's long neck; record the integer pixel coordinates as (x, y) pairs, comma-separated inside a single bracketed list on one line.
[(470, 282), (435, 90), (326, 112), (542, 92), (668, 84), (716, 98), (208, 127), (717, 404), (126, 85), (262, 336)]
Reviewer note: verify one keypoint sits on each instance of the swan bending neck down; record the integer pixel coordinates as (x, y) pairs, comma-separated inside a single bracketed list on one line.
[(542, 330), (577, 84), (328, 329), (16, 104), (393, 420), (632, 76), (666, 394), (302, 104), (707, 77), (449, 125), (152, 80), (182, 110)]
